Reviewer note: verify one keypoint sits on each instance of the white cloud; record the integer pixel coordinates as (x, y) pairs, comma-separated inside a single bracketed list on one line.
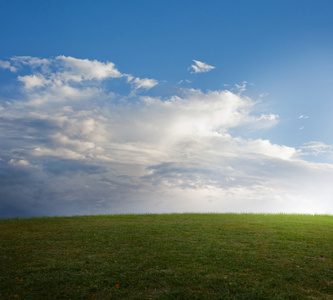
[(30, 61), (144, 83), (147, 154), (186, 80), (7, 65), (303, 117), (266, 148), (262, 95), (201, 67), (68, 69), (84, 69), (32, 81), (241, 88), (317, 149), (64, 78)]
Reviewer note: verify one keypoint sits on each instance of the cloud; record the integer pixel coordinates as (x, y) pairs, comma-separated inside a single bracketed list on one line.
[(241, 88), (315, 148), (186, 80), (144, 83), (65, 77), (7, 65), (18, 162), (73, 144), (84, 69), (201, 67), (34, 62), (32, 81)]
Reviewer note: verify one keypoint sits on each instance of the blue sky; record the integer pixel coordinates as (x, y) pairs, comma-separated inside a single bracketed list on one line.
[(163, 106)]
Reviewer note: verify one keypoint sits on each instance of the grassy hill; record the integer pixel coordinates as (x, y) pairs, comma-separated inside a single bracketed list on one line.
[(168, 256)]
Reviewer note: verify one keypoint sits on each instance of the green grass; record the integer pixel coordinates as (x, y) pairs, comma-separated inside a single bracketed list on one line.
[(168, 256)]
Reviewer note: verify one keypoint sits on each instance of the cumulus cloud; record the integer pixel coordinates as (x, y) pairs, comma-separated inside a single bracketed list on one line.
[(32, 81), (67, 77), (201, 67), (84, 69), (71, 144)]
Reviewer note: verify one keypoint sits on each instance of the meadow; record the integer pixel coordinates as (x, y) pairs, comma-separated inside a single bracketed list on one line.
[(167, 256)]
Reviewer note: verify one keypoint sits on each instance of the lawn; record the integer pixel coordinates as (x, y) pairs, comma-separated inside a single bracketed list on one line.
[(167, 256)]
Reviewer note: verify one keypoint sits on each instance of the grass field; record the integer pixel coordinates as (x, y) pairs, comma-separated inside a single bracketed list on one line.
[(168, 256)]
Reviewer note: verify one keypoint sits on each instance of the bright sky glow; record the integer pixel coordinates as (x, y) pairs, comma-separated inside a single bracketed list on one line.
[(161, 106)]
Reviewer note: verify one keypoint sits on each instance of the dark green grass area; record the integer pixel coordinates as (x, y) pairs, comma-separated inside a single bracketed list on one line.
[(168, 256)]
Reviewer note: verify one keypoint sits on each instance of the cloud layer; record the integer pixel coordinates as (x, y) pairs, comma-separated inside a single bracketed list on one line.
[(73, 144)]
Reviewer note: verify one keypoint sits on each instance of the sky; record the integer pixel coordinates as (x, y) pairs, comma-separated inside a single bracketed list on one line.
[(111, 107)]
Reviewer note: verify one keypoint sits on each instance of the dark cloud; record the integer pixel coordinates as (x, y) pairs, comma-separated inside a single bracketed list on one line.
[(69, 167)]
